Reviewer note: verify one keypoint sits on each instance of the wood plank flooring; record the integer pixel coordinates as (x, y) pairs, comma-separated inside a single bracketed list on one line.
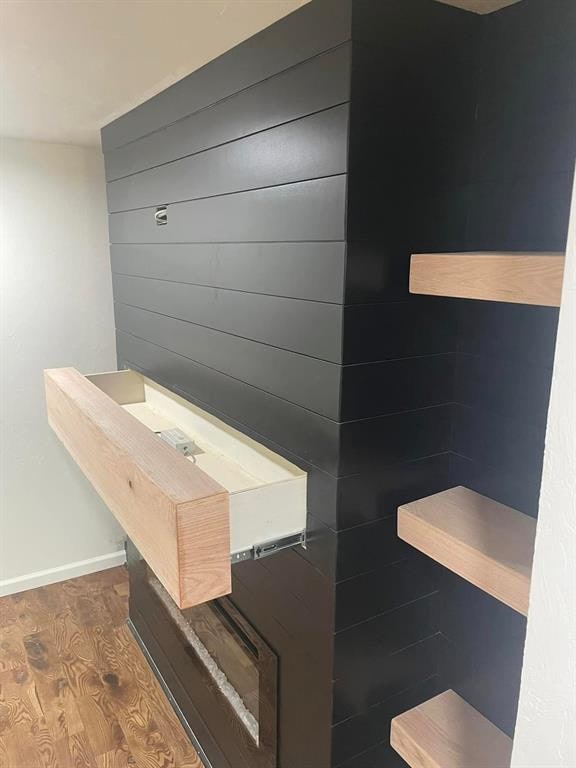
[(75, 689)]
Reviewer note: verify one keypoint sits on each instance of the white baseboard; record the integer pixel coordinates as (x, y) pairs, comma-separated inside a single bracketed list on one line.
[(61, 573)]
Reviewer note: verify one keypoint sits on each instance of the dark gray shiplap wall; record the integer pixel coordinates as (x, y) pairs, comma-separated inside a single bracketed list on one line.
[(237, 303), (519, 198), (276, 297)]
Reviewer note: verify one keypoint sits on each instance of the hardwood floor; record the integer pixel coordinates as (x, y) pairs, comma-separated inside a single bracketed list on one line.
[(75, 688)]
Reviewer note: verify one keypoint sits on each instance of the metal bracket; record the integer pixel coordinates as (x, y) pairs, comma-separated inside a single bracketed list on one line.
[(267, 548)]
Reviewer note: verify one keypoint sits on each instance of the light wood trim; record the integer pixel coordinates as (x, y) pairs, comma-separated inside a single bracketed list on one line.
[(487, 543), (446, 732), (480, 6), (177, 515), (518, 278)]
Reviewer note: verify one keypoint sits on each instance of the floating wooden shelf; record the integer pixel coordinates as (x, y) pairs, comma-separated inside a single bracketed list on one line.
[(519, 278), (187, 515), (446, 732), (487, 543)]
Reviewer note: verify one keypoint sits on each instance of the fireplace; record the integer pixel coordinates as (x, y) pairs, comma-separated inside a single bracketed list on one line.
[(223, 660)]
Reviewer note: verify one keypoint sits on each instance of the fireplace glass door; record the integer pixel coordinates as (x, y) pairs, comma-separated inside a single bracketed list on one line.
[(236, 665)]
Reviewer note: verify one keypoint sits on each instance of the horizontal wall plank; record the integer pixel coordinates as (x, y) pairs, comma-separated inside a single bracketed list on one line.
[(297, 37), (294, 270), (495, 440), (305, 381), (379, 388), (420, 326), (385, 674), (493, 385), (307, 327), (369, 390), (362, 741), (306, 211), (369, 444), (302, 436), (378, 493), (385, 589), (319, 83), (310, 148)]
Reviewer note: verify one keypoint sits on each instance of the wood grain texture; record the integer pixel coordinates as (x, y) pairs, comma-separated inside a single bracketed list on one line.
[(446, 732), (82, 694), (176, 513), (487, 543), (519, 278)]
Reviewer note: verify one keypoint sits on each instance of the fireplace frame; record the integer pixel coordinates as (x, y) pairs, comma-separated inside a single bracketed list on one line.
[(207, 715)]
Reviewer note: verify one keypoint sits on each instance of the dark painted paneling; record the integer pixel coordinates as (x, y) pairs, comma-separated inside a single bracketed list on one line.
[(282, 426), (514, 143), (399, 329), (306, 626), (526, 131), (371, 594), (514, 487), (373, 389), (483, 658), (520, 214), (414, 98), (398, 651), (508, 331), (411, 664), (523, 158), (339, 449), (314, 85), (369, 496), (491, 439), (296, 270), (373, 443), (309, 148), (305, 381), (353, 738), (410, 138), (367, 547), (310, 210), (504, 387), (316, 28), (307, 327)]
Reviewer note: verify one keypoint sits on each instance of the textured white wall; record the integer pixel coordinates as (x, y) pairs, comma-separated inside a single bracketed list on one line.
[(546, 725), (55, 310)]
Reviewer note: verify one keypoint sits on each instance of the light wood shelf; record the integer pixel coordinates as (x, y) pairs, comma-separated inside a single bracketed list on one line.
[(486, 543), (518, 278), (446, 732)]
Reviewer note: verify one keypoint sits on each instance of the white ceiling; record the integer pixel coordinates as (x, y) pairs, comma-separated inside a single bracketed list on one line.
[(68, 67)]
